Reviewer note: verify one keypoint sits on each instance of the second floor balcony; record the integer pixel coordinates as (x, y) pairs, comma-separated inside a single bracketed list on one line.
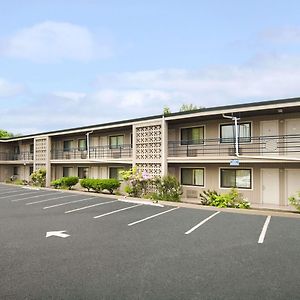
[(98, 152), (280, 145), (11, 156)]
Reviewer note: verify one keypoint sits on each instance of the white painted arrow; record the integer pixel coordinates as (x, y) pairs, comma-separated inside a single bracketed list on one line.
[(60, 233)]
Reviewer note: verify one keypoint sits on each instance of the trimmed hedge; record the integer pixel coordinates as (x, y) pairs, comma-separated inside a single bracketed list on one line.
[(98, 185), (65, 182)]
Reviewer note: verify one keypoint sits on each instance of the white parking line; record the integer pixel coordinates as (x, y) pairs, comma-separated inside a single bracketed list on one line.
[(116, 211), (19, 194), (89, 206), (201, 223), (65, 203), (137, 202), (264, 230), (51, 199), (40, 195), (10, 192), (153, 216)]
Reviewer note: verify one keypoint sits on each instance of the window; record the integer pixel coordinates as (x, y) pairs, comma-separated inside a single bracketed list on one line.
[(31, 148), (67, 171), (227, 133), (16, 171), (67, 145), (116, 141), (82, 144), (239, 178), (30, 170), (83, 172), (16, 150), (191, 176), (114, 172), (192, 136)]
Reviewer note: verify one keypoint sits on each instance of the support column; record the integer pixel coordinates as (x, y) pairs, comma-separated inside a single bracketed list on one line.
[(164, 147)]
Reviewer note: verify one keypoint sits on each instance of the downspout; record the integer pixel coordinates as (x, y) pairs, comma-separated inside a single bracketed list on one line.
[(236, 136), (88, 143)]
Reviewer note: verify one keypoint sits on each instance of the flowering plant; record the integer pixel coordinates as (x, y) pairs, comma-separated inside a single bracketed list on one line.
[(139, 183)]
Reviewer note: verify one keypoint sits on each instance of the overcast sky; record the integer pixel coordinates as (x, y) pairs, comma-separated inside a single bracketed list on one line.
[(80, 62)]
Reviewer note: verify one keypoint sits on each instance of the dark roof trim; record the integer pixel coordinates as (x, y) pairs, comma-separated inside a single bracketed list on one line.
[(83, 128), (236, 106), (215, 108)]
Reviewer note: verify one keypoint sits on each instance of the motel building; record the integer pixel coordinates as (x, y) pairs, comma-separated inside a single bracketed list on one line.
[(254, 147)]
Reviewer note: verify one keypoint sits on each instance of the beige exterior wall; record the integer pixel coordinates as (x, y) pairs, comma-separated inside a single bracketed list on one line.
[(212, 127), (254, 195)]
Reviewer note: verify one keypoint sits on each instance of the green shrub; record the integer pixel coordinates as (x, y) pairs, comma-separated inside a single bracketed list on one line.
[(69, 181), (56, 183), (98, 185), (110, 184), (128, 189), (206, 197), (65, 182), (231, 199), (295, 201), (168, 189), (38, 177), (87, 183)]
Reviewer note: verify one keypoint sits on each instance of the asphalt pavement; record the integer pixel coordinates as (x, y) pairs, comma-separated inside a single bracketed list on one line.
[(60, 245)]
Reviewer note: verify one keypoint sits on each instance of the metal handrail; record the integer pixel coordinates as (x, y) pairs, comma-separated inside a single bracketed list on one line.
[(24, 156), (274, 144), (96, 152)]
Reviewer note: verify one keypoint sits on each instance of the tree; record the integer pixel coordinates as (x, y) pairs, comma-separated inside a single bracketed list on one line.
[(189, 107), (5, 134), (166, 111)]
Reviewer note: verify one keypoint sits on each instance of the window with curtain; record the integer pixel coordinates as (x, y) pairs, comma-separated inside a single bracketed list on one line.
[(83, 172), (67, 171), (192, 136), (227, 133), (116, 141), (236, 178), (82, 144), (67, 145), (192, 176), (114, 172)]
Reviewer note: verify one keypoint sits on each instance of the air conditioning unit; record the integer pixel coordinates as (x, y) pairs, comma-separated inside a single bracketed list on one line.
[(191, 194)]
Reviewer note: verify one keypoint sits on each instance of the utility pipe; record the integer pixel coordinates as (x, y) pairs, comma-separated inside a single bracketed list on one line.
[(88, 143), (236, 136)]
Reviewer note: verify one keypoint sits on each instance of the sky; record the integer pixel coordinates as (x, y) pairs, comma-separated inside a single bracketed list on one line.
[(73, 63)]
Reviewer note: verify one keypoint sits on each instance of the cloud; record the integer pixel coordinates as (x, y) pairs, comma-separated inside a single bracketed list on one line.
[(50, 42), (73, 97), (264, 77), (282, 35), (121, 96), (8, 89)]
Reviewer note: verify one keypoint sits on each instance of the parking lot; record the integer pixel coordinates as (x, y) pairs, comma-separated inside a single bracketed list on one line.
[(62, 245)]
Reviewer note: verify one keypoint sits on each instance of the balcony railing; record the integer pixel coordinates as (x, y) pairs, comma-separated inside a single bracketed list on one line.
[(99, 152), (288, 145), (5, 156)]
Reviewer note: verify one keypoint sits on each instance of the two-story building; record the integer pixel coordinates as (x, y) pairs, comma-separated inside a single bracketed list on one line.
[(254, 147)]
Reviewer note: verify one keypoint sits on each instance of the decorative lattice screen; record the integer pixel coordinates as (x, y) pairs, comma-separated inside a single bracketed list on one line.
[(40, 149), (148, 143), (153, 169)]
